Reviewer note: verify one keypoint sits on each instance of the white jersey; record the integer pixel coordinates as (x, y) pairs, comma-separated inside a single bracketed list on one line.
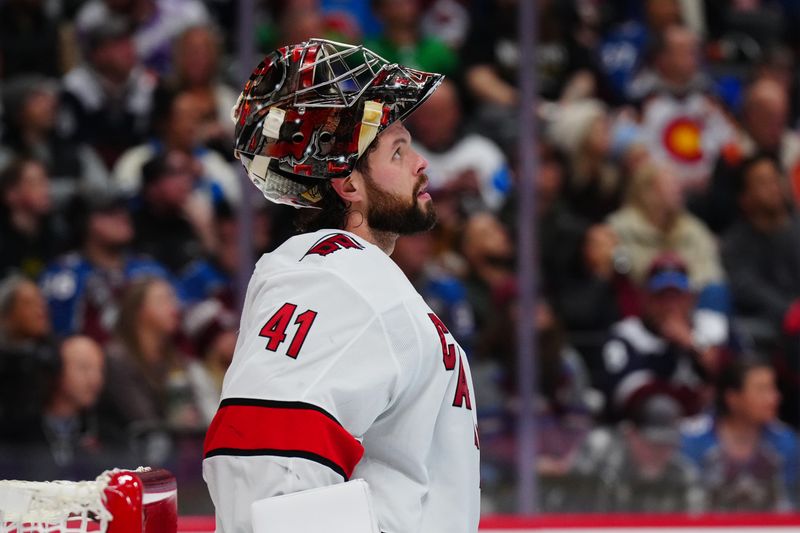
[(342, 371)]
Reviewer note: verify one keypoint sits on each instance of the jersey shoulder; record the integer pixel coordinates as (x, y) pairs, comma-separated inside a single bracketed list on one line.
[(353, 260)]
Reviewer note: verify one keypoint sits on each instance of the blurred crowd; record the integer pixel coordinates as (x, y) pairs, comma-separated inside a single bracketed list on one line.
[(668, 240)]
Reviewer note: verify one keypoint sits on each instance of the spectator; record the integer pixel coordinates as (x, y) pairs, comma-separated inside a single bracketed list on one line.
[(448, 20), (83, 288), (295, 21), (581, 131), (654, 220), (765, 121), (178, 124), (167, 226), (565, 66), (559, 230), (489, 254), (564, 402), (666, 349), (681, 124), (147, 386), (468, 165), (638, 467), (444, 293), (31, 132), (765, 115), (107, 99), (29, 39), (28, 357), (624, 48), (29, 237), (402, 41), (761, 251), (212, 330), (69, 424), (195, 70), (747, 458), (596, 292), (156, 24), (213, 275)]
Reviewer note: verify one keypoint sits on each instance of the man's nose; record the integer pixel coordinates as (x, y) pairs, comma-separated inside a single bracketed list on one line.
[(422, 164)]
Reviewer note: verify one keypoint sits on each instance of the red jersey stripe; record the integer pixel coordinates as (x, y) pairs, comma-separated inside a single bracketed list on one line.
[(245, 426)]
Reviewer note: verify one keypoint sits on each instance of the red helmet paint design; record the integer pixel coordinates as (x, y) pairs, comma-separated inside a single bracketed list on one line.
[(310, 110)]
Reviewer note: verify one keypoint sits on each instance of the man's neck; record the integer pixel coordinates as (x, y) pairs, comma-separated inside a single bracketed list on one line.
[(357, 224), (104, 257)]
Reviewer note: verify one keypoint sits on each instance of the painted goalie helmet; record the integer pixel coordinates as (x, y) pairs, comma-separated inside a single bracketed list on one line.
[(310, 110)]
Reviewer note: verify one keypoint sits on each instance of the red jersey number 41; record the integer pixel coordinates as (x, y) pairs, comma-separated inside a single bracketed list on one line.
[(276, 326)]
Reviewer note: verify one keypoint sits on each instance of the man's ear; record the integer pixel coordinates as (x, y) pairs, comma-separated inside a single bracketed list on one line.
[(349, 189)]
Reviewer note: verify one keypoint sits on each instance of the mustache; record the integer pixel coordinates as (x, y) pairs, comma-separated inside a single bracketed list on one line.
[(423, 180)]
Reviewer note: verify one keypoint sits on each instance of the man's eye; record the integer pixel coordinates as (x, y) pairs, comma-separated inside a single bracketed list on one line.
[(396, 154)]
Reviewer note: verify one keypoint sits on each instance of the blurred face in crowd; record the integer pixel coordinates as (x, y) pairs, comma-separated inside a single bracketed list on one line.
[(766, 112), (115, 58), (599, 247), (400, 13), (82, 378), (38, 111), (549, 178), (186, 117), (32, 192), (435, 124), (301, 20), (598, 138), (28, 317), (110, 228), (228, 245), (679, 61), (763, 193), (412, 253), (661, 14), (759, 399), (159, 311), (660, 195), (651, 457), (665, 186), (488, 249), (668, 304), (173, 187), (196, 56), (222, 348)]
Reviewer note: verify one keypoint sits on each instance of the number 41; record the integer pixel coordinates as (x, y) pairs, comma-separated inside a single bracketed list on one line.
[(275, 329)]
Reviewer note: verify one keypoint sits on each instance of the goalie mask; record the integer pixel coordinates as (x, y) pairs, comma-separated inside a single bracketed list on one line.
[(310, 110)]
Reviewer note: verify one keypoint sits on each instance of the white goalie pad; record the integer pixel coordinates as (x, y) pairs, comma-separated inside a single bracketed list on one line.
[(342, 508)]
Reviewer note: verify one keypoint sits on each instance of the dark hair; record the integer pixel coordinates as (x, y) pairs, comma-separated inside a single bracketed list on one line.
[(732, 378), (127, 326), (740, 176), (332, 209)]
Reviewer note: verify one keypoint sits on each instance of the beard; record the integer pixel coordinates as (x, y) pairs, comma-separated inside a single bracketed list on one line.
[(394, 214)]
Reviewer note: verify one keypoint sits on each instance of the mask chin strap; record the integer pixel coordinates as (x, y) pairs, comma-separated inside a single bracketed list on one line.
[(370, 123)]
